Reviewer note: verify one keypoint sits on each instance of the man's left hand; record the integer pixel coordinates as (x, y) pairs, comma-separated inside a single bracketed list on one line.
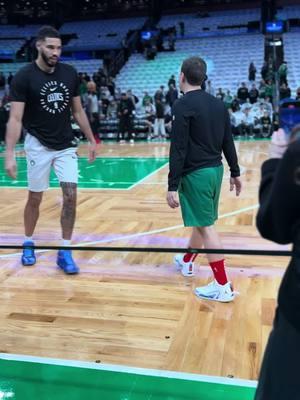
[(93, 149), (172, 199)]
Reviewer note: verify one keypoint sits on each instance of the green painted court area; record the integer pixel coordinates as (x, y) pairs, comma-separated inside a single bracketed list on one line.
[(104, 173), (24, 380)]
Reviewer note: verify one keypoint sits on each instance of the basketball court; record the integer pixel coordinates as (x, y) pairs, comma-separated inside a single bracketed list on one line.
[(129, 326)]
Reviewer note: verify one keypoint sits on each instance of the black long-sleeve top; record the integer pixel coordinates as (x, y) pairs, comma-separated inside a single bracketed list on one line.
[(278, 219), (201, 131)]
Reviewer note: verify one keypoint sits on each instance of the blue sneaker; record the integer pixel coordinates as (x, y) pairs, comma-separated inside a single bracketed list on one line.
[(66, 263), (28, 256)]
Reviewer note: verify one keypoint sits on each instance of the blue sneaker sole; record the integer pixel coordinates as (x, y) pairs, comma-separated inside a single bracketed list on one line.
[(75, 272), (28, 264)]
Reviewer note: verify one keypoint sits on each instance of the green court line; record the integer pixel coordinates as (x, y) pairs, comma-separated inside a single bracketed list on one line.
[(44, 379), (104, 173)]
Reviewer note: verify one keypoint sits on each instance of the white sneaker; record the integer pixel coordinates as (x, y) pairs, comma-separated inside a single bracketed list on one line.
[(186, 268), (131, 141), (215, 291)]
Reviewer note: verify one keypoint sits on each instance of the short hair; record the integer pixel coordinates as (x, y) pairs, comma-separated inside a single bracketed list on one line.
[(47, 31), (194, 70)]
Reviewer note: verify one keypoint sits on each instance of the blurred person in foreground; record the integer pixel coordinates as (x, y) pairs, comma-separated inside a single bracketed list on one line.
[(278, 219)]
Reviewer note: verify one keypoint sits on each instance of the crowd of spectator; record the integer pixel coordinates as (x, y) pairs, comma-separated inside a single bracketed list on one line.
[(111, 110)]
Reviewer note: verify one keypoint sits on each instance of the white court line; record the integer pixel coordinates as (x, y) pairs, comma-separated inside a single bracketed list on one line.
[(135, 235), (148, 176), (130, 370)]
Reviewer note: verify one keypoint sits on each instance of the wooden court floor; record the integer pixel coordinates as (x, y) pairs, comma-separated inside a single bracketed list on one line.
[(134, 308)]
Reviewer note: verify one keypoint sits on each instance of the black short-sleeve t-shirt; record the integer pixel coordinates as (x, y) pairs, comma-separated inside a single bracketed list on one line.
[(47, 98)]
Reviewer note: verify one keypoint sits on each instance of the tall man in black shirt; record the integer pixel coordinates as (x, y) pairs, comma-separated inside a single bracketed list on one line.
[(42, 95), (201, 131)]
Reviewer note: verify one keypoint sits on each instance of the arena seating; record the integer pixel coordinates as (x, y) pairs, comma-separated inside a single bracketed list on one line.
[(99, 34), (228, 59), (195, 25)]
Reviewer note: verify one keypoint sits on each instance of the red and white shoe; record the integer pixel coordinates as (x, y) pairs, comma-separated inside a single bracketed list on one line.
[(186, 268), (216, 292)]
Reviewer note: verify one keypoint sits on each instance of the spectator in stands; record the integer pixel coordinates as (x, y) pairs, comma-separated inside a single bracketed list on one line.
[(172, 81), (160, 95), (253, 94), (102, 76), (268, 105), (3, 120), (265, 125), (235, 105), (252, 72), (92, 109), (82, 89), (147, 99), (283, 72), (228, 100), (125, 110), (105, 99), (220, 94), (264, 71), (269, 90), (243, 93), (246, 124), (150, 112), (233, 122), (298, 94), (132, 97), (159, 123), (247, 105), (171, 95), (9, 78), (284, 92), (210, 89), (112, 110), (262, 89)]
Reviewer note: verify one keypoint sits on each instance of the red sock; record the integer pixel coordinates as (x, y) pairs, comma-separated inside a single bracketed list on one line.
[(189, 257), (218, 269)]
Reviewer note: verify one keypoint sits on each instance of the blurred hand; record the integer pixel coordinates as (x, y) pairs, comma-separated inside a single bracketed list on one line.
[(93, 150), (11, 165), (279, 143), (172, 199), (237, 184)]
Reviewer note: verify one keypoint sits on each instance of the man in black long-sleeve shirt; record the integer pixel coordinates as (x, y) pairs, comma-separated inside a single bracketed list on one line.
[(278, 220), (201, 130)]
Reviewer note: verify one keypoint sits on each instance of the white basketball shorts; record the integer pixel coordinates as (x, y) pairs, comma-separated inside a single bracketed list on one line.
[(41, 159)]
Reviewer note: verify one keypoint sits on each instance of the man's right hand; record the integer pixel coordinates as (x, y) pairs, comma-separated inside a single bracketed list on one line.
[(11, 165), (237, 184)]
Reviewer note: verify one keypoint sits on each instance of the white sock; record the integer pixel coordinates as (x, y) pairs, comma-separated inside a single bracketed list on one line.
[(28, 239), (66, 242)]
